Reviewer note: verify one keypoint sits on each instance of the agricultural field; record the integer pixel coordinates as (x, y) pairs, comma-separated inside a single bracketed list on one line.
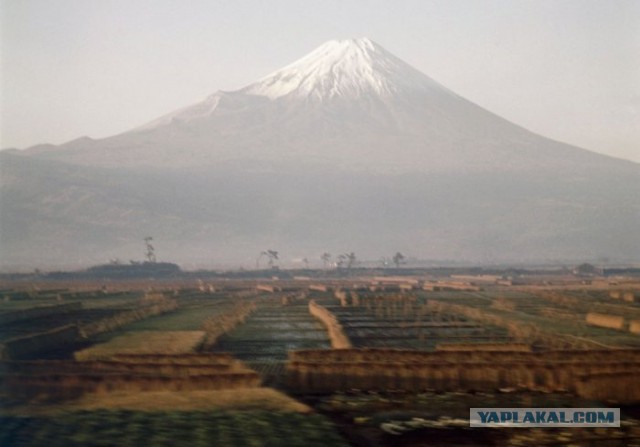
[(55, 317), (188, 428), (100, 316), (193, 309), (270, 333), (557, 313), (404, 321), (183, 319), (12, 300), (42, 325), (441, 419), (231, 363)]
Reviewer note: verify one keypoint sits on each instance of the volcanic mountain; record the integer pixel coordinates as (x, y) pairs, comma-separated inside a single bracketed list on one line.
[(346, 149)]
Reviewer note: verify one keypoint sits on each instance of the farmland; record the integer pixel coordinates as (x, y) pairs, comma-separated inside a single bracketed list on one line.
[(359, 360), (396, 321), (270, 333), (129, 428)]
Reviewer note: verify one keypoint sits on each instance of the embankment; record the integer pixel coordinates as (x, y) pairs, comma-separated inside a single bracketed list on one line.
[(129, 373), (146, 310), (219, 325), (326, 371), (620, 387), (338, 338)]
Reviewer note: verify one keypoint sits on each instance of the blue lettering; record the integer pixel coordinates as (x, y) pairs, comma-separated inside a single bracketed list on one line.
[(528, 418), (553, 417), (606, 418), (506, 416), (540, 415), (578, 417)]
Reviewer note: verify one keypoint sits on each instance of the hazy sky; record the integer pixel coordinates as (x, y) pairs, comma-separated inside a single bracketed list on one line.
[(569, 70)]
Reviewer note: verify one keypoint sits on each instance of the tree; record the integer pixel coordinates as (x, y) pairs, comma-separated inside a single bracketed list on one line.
[(271, 255), (398, 259), (325, 259), (151, 255), (587, 270), (351, 260), (347, 258)]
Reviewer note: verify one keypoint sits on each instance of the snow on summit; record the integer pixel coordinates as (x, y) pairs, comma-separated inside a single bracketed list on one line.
[(351, 68)]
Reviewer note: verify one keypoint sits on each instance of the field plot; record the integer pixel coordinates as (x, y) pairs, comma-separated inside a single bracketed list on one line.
[(11, 300), (28, 312), (190, 315), (183, 319), (554, 319), (55, 330), (264, 340), (185, 311), (56, 316), (189, 428), (45, 313), (396, 321), (441, 420)]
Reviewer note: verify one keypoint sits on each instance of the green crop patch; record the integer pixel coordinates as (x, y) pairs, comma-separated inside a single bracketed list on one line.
[(133, 428)]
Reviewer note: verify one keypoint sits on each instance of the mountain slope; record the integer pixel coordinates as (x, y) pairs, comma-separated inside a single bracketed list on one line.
[(347, 149), (348, 103), (55, 213)]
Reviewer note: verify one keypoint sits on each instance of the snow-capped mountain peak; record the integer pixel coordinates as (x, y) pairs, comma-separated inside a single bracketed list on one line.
[(349, 68)]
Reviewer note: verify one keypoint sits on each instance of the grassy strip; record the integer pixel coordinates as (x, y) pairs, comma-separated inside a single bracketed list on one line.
[(150, 342)]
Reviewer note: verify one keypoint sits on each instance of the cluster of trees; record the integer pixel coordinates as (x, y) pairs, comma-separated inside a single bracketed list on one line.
[(348, 259), (342, 261), (397, 260)]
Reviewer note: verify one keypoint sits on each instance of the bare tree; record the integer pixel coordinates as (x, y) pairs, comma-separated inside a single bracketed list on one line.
[(325, 259), (151, 251), (271, 255), (351, 259), (346, 258), (398, 259)]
